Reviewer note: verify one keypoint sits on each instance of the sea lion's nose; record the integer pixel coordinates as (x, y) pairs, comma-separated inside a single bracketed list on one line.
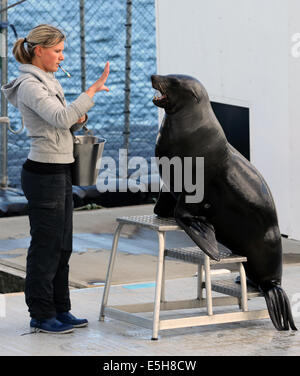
[(153, 79), (156, 79)]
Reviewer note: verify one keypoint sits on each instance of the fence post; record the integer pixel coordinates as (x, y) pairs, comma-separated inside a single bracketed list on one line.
[(3, 41), (127, 75), (82, 46)]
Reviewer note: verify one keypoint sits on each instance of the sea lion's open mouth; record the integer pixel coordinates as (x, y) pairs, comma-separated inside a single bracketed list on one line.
[(160, 99), (159, 96)]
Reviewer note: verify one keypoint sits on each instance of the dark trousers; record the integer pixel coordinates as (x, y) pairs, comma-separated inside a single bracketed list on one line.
[(50, 209)]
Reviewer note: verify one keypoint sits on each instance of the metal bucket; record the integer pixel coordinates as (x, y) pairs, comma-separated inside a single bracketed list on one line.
[(87, 153)]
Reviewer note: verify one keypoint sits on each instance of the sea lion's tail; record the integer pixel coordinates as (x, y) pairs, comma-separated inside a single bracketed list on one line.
[(278, 306)]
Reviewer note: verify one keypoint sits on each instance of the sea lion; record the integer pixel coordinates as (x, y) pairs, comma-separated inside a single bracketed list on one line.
[(237, 209)]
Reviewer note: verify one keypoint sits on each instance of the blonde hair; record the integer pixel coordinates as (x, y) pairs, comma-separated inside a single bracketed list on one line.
[(43, 35)]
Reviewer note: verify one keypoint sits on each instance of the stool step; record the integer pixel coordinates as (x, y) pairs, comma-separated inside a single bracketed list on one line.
[(195, 255), (229, 287), (152, 222)]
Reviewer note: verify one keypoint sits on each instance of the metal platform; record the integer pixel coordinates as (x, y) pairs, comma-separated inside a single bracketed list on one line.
[(195, 255), (229, 287), (234, 294), (152, 222)]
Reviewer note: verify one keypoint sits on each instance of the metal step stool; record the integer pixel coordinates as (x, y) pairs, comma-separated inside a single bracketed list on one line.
[(195, 255), (236, 294)]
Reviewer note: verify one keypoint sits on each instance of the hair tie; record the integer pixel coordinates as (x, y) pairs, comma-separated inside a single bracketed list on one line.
[(25, 40)]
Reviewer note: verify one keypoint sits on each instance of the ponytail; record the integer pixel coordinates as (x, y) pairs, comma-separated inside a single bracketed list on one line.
[(22, 55)]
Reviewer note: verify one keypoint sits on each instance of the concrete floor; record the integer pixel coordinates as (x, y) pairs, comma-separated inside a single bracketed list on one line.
[(136, 263), (115, 338)]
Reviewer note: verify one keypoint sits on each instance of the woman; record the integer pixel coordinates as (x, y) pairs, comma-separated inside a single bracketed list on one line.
[(46, 175)]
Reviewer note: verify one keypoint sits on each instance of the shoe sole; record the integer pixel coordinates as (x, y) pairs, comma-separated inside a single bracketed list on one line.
[(38, 330), (81, 325)]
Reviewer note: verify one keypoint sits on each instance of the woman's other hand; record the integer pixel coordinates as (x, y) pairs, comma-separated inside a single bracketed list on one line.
[(99, 84), (80, 123), (82, 119)]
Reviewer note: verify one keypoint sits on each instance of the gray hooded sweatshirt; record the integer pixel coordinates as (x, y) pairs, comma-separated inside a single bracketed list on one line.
[(40, 99)]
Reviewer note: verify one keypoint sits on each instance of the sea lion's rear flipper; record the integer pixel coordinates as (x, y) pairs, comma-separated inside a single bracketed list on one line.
[(278, 306), (200, 231)]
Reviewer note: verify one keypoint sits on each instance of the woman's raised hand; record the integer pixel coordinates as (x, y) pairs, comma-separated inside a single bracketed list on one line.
[(99, 84)]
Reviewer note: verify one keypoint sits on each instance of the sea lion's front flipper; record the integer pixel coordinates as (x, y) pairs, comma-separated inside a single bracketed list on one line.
[(200, 231), (165, 204)]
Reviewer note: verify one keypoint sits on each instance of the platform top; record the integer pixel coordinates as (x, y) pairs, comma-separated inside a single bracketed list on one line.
[(151, 221), (187, 254), (230, 287)]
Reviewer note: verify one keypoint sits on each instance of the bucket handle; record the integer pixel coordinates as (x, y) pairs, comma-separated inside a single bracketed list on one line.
[(87, 131)]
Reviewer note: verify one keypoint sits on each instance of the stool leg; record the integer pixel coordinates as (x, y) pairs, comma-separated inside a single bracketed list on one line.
[(110, 270), (244, 300), (200, 280), (158, 286), (163, 297), (208, 286)]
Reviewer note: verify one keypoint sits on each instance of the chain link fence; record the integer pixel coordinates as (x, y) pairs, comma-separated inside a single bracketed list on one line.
[(119, 31)]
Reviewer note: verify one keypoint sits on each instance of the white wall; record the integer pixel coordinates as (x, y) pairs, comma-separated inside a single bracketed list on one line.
[(294, 122), (241, 52)]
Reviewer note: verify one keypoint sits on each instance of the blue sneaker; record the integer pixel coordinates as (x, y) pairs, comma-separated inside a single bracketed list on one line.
[(50, 326), (68, 318)]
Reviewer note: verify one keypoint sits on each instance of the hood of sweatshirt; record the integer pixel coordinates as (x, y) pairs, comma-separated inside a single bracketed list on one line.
[(29, 72)]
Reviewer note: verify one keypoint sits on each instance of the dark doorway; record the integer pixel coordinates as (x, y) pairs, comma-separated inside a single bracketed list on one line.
[(235, 123)]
